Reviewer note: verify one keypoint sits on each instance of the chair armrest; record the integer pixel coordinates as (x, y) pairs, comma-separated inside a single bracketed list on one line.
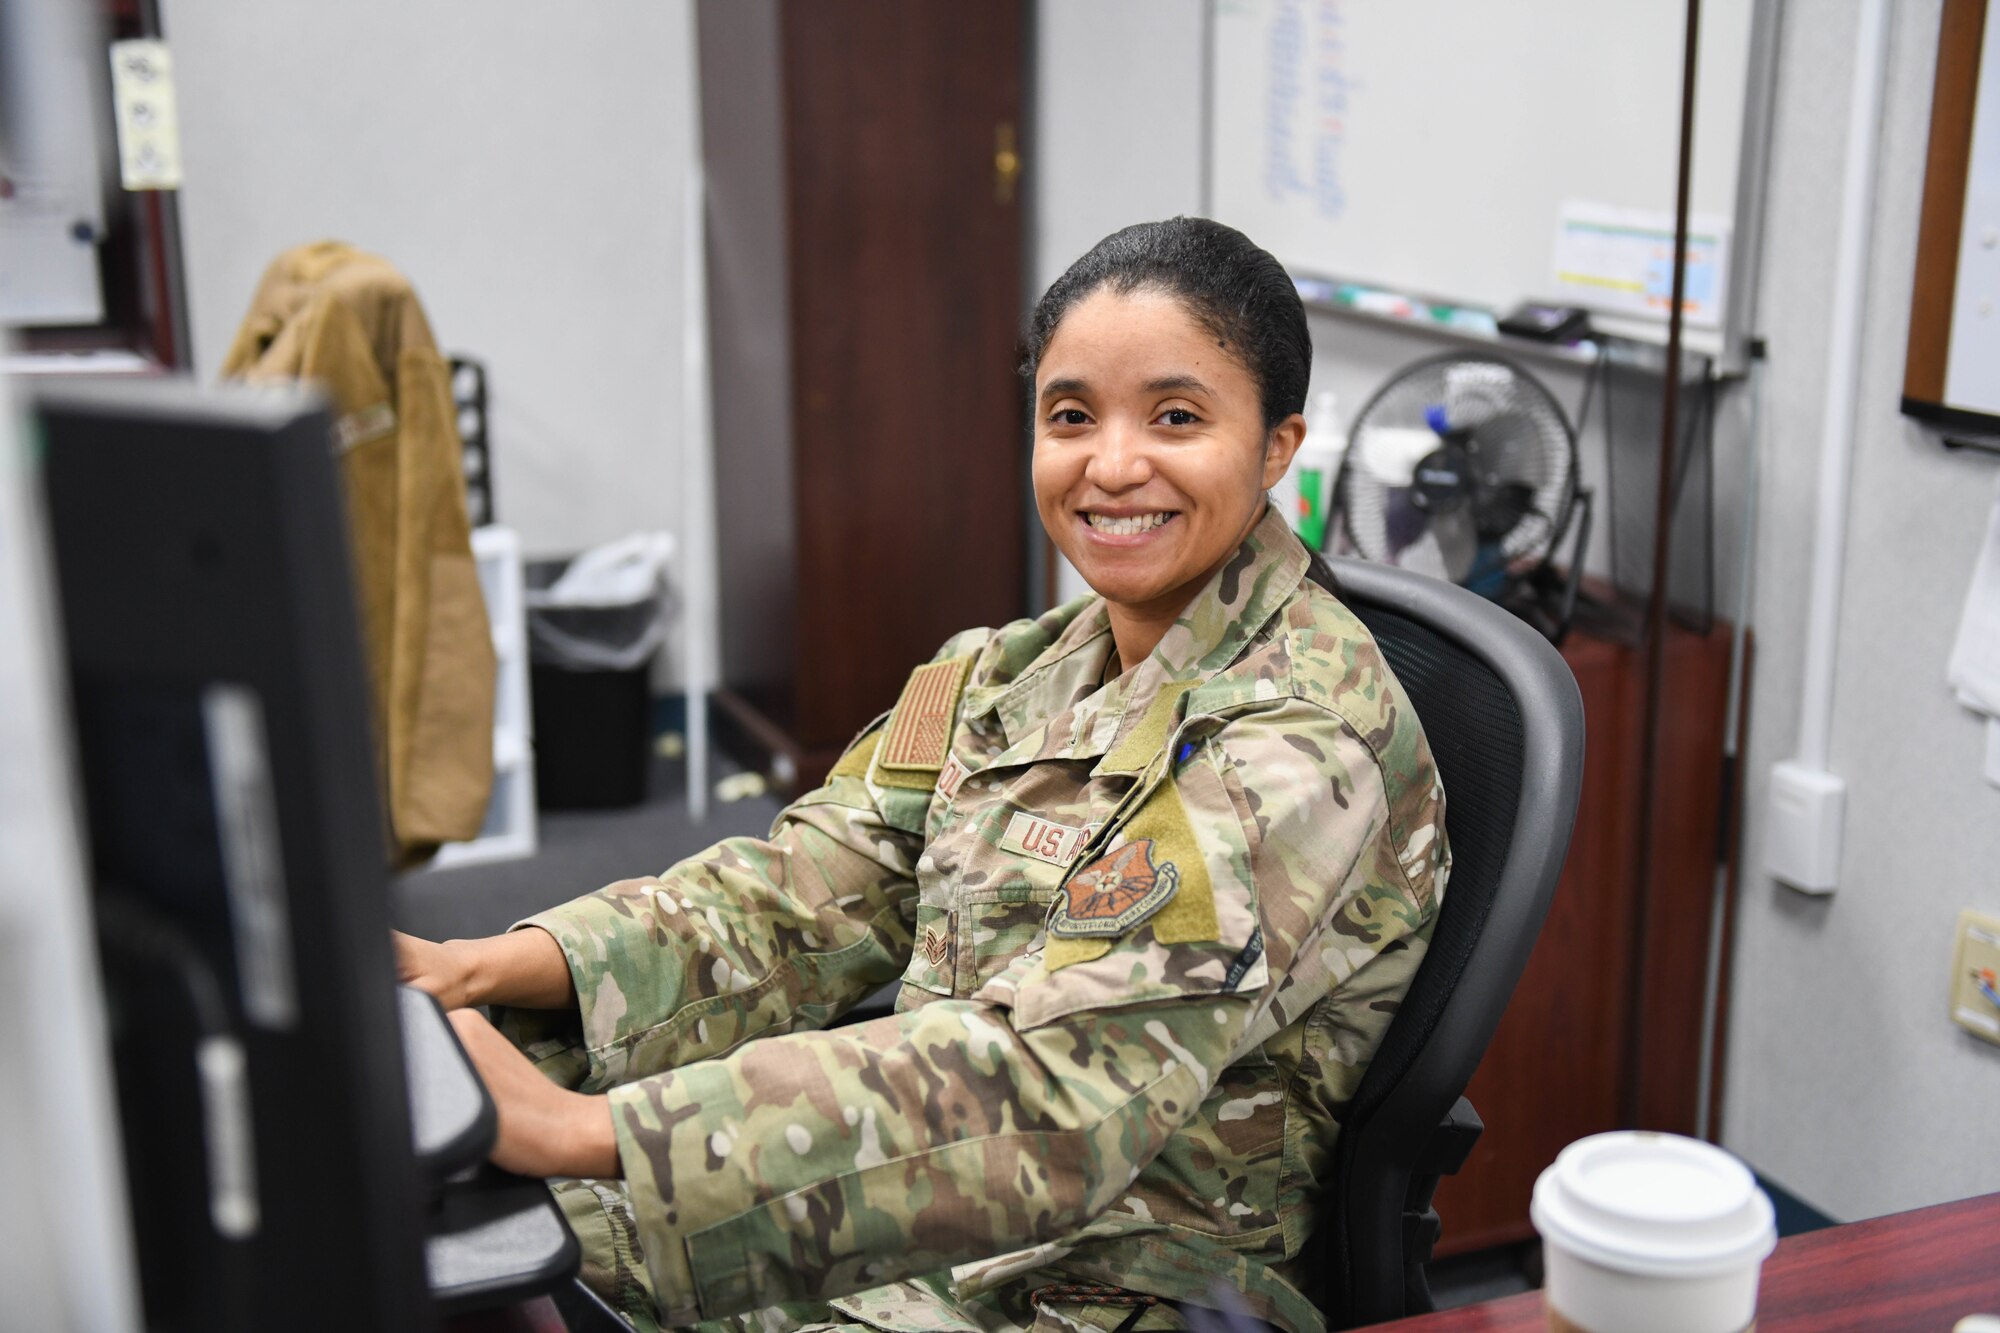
[(496, 1239), (1451, 1143), (453, 1121)]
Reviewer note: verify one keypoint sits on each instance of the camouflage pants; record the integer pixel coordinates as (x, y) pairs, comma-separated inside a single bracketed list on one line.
[(600, 1212), (614, 1265)]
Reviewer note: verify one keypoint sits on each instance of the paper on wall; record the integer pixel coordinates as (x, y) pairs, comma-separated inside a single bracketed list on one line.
[(1622, 260), (1973, 670)]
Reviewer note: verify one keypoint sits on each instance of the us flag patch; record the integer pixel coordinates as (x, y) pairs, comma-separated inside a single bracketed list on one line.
[(919, 735)]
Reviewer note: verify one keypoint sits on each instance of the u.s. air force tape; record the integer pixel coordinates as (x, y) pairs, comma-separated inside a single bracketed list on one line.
[(918, 739)]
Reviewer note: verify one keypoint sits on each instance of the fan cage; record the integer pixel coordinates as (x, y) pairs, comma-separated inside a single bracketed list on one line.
[(1514, 420)]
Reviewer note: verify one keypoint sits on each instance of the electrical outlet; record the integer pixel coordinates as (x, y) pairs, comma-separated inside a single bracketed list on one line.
[(1975, 975)]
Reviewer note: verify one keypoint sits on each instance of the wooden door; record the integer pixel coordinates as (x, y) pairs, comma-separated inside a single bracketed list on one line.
[(905, 294)]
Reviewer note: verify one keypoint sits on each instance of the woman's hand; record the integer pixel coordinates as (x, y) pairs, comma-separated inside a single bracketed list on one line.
[(522, 967), (439, 970), (544, 1130)]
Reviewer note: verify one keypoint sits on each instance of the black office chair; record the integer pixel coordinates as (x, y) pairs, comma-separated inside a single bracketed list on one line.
[(1505, 723)]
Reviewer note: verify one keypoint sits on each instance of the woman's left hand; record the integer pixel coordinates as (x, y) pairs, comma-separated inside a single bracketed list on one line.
[(545, 1130)]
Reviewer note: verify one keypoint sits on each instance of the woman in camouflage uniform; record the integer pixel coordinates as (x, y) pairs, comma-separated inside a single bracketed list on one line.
[(1155, 870)]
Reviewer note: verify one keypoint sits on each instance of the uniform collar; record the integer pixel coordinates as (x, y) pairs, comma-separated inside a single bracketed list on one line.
[(1058, 684), (1058, 706)]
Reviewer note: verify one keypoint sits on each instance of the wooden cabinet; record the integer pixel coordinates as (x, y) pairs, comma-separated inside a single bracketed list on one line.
[(1570, 1059), (865, 289)]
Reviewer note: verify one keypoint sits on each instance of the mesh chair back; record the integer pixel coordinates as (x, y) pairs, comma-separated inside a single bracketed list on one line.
[(1504, 720)]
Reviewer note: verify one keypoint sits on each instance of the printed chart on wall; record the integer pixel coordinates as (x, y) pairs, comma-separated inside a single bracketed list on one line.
[(1482, 153), (1621, 260)]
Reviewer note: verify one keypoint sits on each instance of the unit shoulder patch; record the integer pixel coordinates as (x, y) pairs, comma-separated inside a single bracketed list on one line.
[(1114, 893), (1156, 874)]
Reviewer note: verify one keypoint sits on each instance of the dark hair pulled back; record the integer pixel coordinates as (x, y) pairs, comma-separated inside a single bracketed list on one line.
[(1237, 291)]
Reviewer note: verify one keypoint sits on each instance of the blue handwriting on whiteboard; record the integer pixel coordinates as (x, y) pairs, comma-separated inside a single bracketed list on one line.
[(1284, 90), (1330, 88)]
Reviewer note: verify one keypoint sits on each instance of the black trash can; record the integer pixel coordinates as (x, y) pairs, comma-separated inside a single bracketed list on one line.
[(590, 674)]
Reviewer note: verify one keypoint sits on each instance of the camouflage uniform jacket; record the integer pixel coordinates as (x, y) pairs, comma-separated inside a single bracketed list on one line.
[(1149, 931)]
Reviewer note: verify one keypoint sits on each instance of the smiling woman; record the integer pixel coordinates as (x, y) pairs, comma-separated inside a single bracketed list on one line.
[(1151, 457), (1168, 391), (1154, 869)]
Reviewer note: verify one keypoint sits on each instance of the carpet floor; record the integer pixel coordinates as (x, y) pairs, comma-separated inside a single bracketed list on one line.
[(579, 851)]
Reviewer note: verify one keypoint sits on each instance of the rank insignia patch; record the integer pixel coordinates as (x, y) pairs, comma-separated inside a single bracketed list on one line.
[(934, 947), (1114, 893)]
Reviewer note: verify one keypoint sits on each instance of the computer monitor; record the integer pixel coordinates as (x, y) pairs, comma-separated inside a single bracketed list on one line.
[(238, 854)]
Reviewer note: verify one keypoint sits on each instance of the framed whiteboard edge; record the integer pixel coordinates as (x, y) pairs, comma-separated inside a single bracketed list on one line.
[(1753, 173), (1729, 348)]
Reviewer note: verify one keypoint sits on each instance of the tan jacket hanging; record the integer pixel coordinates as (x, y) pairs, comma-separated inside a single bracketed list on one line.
[(349, 321)]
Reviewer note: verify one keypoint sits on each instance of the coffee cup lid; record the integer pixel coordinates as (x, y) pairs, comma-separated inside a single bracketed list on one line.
[(1654, 1203)]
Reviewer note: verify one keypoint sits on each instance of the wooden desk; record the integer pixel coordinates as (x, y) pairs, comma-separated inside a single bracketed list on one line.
[(1924, 1269)]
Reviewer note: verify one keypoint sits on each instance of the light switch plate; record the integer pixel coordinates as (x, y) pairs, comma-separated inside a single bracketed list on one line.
[(1975, 975)]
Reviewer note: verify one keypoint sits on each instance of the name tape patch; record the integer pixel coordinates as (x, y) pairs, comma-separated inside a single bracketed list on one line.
[(357, 428), (1043, 839)]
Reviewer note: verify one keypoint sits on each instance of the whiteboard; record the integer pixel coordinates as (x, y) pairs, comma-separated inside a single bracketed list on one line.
[(1972, 356), (1430, 146)]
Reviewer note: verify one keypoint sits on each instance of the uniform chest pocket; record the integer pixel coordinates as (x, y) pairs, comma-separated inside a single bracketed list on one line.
[(961, 948), (987, 899)]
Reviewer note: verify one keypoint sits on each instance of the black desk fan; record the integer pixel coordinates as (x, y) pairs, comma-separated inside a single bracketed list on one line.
[(1464, 467)]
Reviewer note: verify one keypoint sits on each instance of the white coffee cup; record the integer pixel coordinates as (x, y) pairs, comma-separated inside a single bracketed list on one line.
[(1651, 1233)]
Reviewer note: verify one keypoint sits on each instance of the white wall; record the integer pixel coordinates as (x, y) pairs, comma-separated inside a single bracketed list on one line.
[(1117, 137), (1846, 1081), (1117, 133), (523, 163)]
